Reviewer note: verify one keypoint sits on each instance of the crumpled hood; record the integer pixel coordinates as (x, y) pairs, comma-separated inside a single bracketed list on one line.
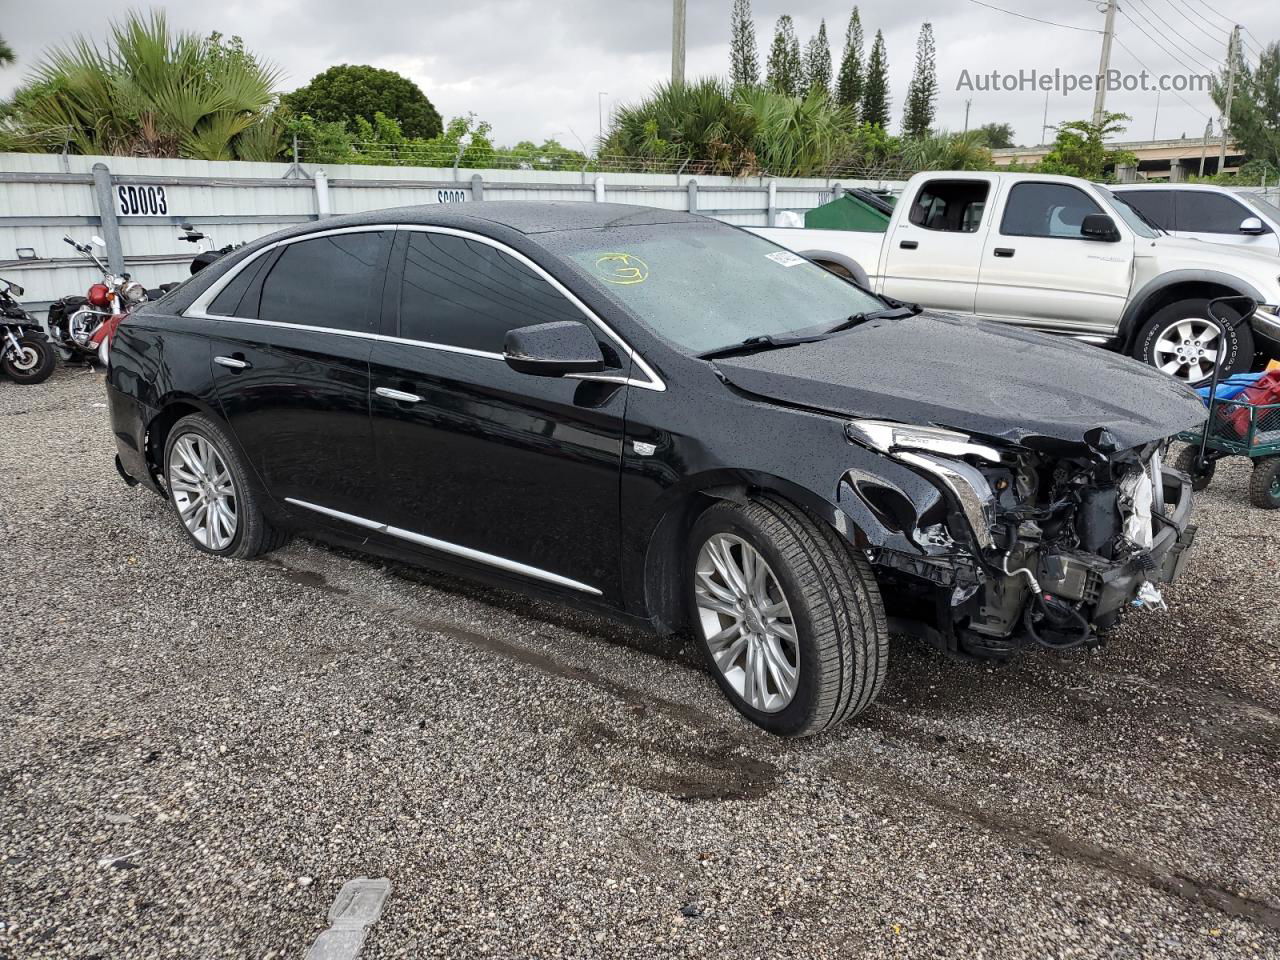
[(985, 378)]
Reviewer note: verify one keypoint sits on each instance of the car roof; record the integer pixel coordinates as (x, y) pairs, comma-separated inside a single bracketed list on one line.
[(528, 217), (1134, 187)]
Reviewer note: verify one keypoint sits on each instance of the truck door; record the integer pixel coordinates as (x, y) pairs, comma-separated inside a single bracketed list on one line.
[(934, 252), (1040, 270)]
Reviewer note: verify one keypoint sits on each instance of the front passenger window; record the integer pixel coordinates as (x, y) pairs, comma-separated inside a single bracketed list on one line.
[(1054, 210)]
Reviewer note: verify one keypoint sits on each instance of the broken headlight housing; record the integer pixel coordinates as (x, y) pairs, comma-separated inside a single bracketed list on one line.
[(939, 453)]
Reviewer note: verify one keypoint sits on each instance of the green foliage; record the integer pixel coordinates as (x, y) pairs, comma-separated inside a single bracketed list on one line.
[(875, 90), (744, 61), (998, 135), (6, 53), (1253, 173), (152, 92), (786, 68), (849, 80), (922, 93), (817, 63), (1079, 150), (947, 151), (1255, 108), (463, 142), (791, 136), (350, 92)]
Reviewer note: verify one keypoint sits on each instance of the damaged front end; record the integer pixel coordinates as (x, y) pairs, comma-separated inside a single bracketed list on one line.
[(1042, 542)]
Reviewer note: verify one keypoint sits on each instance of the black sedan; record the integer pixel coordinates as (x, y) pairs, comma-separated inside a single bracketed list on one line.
[(667, 418)]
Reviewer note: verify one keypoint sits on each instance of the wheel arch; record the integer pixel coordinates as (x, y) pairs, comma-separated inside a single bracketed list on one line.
[(172, 409), (1175, 286), (856, 271)]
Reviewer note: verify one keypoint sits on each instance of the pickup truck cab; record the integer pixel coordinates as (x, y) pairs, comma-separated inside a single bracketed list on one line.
[(1062, 255)]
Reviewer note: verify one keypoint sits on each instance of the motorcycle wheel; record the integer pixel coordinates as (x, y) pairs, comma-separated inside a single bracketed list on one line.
[(33, 364)]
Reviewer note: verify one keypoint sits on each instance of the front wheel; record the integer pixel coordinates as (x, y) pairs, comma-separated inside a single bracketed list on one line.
[(31, 363), (789, 617), (1264, 485), (1182, 341)]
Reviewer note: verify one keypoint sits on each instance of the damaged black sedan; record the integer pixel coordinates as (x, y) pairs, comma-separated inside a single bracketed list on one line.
[(666, 418)]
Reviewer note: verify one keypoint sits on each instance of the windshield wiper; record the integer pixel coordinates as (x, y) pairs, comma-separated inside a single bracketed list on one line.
[(766, 341), (889, 313)]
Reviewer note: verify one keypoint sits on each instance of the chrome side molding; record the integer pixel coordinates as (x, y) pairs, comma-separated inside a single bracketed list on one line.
[(444, 546)]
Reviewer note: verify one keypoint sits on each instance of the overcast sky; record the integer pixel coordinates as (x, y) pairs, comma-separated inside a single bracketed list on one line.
[(533, 68)]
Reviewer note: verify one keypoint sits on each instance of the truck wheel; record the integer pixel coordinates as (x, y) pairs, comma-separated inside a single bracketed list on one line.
[(1186, 462), (1182, 341), (789, 617), (1264, 485), (212, 494)]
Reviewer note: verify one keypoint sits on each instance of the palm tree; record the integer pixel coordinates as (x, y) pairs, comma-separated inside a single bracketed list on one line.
[(152, 93), (6, 53)]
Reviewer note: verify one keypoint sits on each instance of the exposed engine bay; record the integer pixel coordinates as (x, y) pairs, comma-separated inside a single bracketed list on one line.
[(1032, 547)]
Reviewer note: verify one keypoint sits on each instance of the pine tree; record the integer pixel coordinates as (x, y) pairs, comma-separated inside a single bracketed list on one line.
[(875, 91), (817, 62), (849, 81), (744, 61), (922, 94), (786, 70)]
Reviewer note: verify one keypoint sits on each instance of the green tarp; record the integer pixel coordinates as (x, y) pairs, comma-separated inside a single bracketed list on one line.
[(859, 210)]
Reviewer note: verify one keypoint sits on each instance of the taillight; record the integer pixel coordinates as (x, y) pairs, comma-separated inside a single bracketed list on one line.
[(100, 295)]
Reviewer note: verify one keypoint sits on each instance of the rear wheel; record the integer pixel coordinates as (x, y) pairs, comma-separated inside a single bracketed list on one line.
[(33, 362), (1264, 485), (212, 492), (1188, 461), (788, 616), (1182, 341)]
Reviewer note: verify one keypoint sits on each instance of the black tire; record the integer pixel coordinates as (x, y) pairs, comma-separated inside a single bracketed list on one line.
[(37, 364), (1185, 462), (253, 535), (839, 269), (1239, 350), (843, 639), (1264, 485)]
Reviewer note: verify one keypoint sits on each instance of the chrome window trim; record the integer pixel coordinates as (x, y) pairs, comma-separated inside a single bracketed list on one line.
[(199, 308), (444, 546)]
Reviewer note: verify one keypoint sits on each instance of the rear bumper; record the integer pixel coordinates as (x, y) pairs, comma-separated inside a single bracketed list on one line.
[(129, 419)]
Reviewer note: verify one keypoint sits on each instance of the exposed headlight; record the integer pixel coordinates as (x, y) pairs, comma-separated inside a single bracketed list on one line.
[(886, 436), (133, 291)]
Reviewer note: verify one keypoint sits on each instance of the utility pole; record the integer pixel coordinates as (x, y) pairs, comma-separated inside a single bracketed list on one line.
[(1224, 120), (1044, 127), (1204, 146), (1156, 122), (1104, 64), (600, 115), (967, 105), (677, 43)]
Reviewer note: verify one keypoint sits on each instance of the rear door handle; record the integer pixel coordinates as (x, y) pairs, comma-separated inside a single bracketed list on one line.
[(233, 363), (908, 244), (1003, 251), (398, 395)]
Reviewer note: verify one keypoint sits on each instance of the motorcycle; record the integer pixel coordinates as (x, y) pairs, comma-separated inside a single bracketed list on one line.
[(26, 356), (206, 255), (82, 326)]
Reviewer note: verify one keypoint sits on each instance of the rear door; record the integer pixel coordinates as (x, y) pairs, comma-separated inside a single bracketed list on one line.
[(933, 254), (1038, 269), (291, 350), (509, 471)]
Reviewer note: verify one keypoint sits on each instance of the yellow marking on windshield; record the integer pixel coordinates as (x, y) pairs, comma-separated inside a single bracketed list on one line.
[(621, 268)]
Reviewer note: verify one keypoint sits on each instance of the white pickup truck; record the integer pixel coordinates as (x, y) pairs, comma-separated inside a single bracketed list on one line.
[(1058, 254)]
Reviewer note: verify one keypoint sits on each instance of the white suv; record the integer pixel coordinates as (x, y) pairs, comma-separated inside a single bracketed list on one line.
[(1213, 214)]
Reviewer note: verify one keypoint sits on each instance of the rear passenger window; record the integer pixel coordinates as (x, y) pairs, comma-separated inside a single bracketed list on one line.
[(952, 206), (1155, 205), (333, 281), (228, 302), (1201, 212), (463, 293)]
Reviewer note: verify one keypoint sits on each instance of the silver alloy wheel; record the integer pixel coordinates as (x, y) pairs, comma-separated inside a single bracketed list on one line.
[(747, 622), (1187, 350), (26, 359), (203, 491)]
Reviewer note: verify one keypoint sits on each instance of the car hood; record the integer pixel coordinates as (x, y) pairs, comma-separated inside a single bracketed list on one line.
[(980, 377), (1204, 253)]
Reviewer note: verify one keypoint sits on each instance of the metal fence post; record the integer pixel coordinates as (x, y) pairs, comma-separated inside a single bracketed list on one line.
[(693, 196), (773, 204), (599, 189), (322, 194), (107, 215), (477, 187), (837, 191)]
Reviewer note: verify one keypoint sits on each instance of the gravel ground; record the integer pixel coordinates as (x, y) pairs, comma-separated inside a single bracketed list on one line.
[(197, 753)]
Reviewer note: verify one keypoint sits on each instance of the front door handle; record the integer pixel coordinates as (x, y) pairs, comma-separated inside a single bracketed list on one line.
[(233, 362), (398, 395), (908, 244), (1003, 251)]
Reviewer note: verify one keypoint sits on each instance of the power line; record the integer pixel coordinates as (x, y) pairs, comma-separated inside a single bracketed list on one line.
[(1014, 13), (1226, 20), (1214, 36), (1160, 27), (1149, 70), (1160, 42)]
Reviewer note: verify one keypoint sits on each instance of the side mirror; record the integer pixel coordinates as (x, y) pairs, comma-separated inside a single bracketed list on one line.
[(14, 288), (1098, 226), (1252, 226), (98, 241), (553, 349)]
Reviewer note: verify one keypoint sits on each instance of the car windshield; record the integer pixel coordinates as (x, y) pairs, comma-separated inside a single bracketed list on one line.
[(1138, 223), (705, 286), (1265, 207)]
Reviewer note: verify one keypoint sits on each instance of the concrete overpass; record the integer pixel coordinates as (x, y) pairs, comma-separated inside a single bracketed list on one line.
[(1157, 159)]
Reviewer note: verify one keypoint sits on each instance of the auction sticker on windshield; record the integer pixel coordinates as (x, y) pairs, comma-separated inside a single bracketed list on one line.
[(785, 257), (621, 268)]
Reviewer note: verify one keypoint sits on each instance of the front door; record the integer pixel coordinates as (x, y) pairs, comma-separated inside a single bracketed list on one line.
[(508, 471), (1038, 269), (291, 338)]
